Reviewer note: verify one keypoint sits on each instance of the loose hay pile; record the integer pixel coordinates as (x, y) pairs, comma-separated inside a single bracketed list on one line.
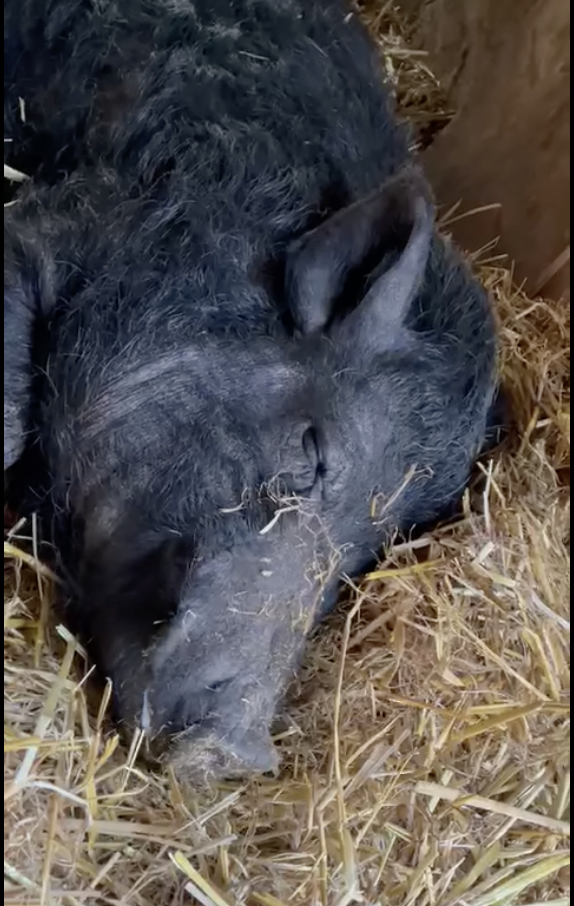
[(427, 759)]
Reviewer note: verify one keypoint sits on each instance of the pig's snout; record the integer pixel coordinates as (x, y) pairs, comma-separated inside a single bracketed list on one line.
[(220, 731), (220, 668), (197, 757)]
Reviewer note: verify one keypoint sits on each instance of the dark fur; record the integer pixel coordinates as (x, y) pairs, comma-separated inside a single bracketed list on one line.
[(193, 341)]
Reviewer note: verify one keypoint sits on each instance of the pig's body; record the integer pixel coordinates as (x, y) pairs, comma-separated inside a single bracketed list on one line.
[(243, 361)]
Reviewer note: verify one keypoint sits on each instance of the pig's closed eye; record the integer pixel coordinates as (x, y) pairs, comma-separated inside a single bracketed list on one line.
[(311, 446), (218, 688), (315, 467)]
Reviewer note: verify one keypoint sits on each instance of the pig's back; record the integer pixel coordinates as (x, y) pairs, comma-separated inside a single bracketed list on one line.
[(183, 144), (271, 106)]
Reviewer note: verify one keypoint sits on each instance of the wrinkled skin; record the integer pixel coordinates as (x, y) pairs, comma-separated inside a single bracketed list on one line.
[(237, 357)]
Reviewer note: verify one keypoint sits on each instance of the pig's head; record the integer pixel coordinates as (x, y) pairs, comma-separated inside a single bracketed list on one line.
[(288, 463)]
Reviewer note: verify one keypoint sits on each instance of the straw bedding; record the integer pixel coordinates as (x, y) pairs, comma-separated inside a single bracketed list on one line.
[(426, 754)]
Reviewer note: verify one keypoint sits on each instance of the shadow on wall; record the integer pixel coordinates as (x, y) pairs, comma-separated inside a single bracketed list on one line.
[(506, 67)]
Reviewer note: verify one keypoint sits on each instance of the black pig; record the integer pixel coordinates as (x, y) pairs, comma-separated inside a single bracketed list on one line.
[(237, 355)]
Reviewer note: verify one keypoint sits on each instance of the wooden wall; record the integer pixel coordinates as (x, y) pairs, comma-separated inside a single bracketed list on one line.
[(506, 66)]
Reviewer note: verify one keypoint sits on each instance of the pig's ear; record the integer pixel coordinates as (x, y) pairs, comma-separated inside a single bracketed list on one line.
[(362, 268)]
